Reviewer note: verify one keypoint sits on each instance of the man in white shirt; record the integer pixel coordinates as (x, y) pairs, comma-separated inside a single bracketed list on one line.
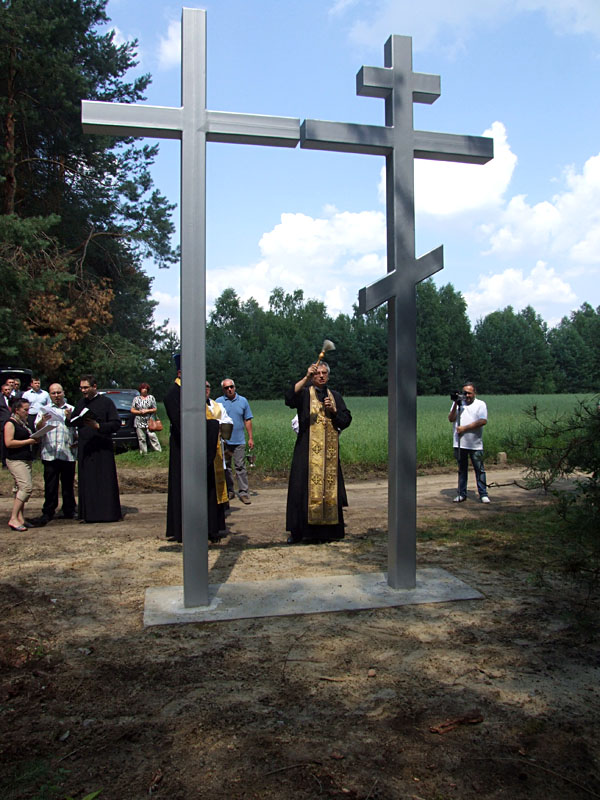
[(468, 416), (58, 457)]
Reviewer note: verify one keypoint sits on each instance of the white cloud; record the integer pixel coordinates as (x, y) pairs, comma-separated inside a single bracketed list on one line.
[(444, 188), (341, 5), (329, 258), (169, 49), (566, 226), (323, 242), (167, 309), (542, 288), (562, 231), (370, 266), (571, 16), (430, 20)]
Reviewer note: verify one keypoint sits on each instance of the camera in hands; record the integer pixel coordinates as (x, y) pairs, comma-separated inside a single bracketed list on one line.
[(458, 397)]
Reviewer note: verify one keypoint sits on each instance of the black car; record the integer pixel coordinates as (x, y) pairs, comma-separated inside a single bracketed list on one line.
[(126, 437), (24, 375)]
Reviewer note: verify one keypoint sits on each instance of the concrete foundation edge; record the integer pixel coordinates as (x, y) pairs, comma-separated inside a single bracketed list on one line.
[(316, 595)]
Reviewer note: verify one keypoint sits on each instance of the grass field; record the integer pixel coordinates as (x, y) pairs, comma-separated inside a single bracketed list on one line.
[(364, 444)]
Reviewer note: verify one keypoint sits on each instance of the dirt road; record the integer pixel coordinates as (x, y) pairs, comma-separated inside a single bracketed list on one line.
[(328, 705)]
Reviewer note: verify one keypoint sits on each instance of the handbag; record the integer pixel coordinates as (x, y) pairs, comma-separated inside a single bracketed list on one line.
[(154, 424)]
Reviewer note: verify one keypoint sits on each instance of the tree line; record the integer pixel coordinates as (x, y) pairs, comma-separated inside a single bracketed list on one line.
[(507, 352)]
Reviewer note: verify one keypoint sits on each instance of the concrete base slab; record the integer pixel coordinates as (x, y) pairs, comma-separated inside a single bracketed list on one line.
[(274, 598)]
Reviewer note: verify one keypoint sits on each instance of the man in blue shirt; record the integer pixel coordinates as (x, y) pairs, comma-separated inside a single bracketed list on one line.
[(238, 409), (38, 398)]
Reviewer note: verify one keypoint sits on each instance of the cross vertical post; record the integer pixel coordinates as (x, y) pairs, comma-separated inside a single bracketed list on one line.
[(194, 509), (399, 86), (194, 125)]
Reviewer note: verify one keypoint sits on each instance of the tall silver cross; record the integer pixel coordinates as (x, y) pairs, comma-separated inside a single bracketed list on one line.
[(194, 125), (400, 144)]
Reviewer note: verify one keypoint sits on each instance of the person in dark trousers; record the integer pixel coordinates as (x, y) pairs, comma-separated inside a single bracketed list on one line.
[(174, 532), (238, 408), (173, 408), (57, 452), (96, 469), (468, 416)]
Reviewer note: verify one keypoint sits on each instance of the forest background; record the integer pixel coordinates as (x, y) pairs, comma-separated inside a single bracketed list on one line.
[(80, 214)]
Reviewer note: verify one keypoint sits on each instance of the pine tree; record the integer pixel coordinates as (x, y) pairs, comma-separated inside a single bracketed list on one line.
[(81, 210)]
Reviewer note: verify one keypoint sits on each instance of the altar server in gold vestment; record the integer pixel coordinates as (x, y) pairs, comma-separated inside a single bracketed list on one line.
[(216, 411)]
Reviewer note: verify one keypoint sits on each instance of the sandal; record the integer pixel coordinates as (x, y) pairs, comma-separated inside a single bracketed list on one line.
[(19, 528)]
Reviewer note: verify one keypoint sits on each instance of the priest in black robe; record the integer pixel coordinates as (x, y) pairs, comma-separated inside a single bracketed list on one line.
[(174, 530), (173, 408), (316, 491), (96, 469)]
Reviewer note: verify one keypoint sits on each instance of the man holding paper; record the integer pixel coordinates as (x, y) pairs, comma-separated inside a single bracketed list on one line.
[(58, 456), (96, 418), (38, 398)]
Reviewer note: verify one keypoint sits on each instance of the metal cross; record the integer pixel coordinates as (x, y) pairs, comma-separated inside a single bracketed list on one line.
[(400, 144), (194, 125)]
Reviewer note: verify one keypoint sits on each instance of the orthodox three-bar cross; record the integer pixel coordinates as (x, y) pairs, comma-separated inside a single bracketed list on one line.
[(400, 144), (194, 125)]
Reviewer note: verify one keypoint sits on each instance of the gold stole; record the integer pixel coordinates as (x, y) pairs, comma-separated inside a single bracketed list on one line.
[(213, 411), (322, 464)]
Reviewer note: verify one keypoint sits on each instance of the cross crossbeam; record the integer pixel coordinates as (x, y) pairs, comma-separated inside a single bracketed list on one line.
[(163, 122)]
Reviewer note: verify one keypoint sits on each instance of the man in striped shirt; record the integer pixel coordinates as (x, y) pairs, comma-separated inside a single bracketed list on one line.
[(58, 456)]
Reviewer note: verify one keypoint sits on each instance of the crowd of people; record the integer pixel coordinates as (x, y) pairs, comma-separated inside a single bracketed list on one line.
[(39, 422), (42, 423)]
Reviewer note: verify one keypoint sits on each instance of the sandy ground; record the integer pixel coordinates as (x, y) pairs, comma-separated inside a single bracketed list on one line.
[(325, 705)]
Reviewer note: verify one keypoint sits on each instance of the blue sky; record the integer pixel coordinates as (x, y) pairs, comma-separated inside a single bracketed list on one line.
[(522, 230)]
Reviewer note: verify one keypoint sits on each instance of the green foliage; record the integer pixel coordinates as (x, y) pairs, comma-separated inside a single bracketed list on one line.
[(561, 446), (242, 337), (512, 353), (35, 779), (79, 212), (444, 339), (575, 348), (507, 353), (264, 350)]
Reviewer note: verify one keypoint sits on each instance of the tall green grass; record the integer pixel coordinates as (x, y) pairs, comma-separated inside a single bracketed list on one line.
[(364, 443)]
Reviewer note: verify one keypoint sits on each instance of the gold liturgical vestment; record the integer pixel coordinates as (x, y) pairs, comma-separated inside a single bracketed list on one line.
[(322, 464), (213, 411)]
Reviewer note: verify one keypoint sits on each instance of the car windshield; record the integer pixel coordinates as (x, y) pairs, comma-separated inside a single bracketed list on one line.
[(122, 400)]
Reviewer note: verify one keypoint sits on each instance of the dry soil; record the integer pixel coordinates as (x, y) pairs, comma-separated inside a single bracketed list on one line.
[(319, 706)]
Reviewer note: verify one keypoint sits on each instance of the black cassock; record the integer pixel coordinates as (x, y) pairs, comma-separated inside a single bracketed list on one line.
[(174, 528), (97, 471), (173, 408), (296, 518)]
